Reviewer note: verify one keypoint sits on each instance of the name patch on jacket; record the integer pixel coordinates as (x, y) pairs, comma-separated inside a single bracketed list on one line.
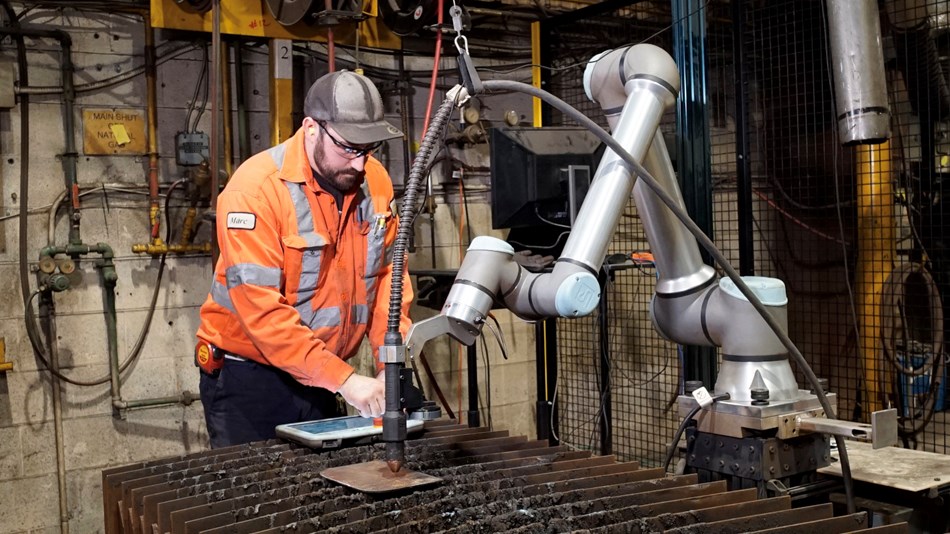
[(242, 221)]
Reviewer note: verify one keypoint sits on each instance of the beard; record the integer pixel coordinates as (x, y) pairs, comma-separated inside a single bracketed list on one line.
[(345, 180)]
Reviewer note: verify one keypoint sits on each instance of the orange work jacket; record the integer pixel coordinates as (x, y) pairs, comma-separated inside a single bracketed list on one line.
[(297, 285)]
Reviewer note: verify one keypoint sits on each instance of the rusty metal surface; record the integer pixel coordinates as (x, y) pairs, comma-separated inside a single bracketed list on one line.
[(376, 477), (491, 482)]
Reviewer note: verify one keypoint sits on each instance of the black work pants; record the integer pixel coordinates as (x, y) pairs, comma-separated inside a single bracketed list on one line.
[(247, 400)]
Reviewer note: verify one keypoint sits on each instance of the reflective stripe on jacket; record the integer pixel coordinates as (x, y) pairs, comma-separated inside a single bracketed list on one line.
[(297, 285)]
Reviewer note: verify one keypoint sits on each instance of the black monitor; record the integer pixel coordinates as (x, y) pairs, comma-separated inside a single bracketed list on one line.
[(539, 176)]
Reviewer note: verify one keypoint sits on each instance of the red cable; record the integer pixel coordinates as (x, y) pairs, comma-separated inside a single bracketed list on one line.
[(435, 69), (331, 51)]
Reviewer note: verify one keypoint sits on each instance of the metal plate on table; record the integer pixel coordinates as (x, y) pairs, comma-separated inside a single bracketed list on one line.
[(376, 477), (894, 467)]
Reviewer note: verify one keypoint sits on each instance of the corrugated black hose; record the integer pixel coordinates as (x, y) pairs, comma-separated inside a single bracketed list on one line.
[(407, 212), (394, 419)]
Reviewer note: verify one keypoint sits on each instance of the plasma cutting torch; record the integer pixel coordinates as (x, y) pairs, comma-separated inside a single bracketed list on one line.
[(691, 305)]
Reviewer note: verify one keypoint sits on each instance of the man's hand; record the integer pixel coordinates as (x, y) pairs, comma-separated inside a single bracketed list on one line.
[(368, 395)]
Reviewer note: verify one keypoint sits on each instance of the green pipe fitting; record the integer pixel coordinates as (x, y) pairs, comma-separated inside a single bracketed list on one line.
[(51, 251), (57, 282), (186, 398), (105, 251)]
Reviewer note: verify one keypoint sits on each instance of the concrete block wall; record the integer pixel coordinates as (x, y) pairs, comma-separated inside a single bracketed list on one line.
[(105, 45), (92, 438)]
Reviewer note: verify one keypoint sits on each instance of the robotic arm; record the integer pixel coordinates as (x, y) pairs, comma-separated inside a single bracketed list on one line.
[(635, 86)]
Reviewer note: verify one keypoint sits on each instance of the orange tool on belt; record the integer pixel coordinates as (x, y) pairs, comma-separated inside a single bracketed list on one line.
[(208, 358)]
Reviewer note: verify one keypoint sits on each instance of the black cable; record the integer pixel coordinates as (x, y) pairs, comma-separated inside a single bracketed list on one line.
[(893, 302), (706, 242), (671, 450), (497, 333), (541, 247), (487, 362), (24, 72), (468, 222)]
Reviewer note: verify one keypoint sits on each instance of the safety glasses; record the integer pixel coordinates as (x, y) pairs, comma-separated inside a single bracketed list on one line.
[(350, 152)]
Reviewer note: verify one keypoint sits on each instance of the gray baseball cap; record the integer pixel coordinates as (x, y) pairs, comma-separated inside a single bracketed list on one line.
[(351, 104)]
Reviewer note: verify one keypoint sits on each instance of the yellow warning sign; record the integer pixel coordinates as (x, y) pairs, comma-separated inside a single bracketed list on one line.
[(113, 131)]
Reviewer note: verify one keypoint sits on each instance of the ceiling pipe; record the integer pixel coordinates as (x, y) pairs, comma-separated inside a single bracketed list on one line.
[(151, 98)]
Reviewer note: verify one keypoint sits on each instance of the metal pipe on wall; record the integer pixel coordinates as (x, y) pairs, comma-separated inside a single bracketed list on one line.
[(57, 413), (70, 156), (226, 108), (215, 105), (151, 102), (244, 134)]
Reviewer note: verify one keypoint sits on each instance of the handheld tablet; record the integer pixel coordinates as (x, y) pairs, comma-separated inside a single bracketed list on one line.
[(330, 433)]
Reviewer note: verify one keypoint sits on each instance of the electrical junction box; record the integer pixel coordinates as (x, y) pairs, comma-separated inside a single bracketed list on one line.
[(192, 148)]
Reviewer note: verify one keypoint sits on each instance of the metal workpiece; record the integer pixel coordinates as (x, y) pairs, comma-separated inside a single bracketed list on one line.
[(491, 482), (857, 59), (882, 432)]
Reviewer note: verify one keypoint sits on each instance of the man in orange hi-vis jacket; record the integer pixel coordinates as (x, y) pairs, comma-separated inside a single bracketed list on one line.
[(306, 231)]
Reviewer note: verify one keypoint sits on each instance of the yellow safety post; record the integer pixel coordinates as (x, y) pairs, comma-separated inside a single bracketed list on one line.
[(876, 251), (281, 89), (536, 71)]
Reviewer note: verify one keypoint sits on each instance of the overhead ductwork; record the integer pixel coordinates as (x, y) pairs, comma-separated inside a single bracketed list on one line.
[(857, 59)]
